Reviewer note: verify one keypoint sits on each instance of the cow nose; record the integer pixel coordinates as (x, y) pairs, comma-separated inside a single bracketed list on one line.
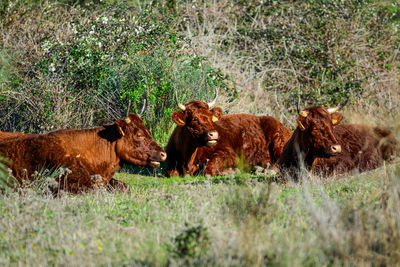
[(163, 156), (213, 135), (336, 149)]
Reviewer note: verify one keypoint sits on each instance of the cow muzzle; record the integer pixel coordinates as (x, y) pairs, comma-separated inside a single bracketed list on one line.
[(336, 149), (155, 161), (212, 138)]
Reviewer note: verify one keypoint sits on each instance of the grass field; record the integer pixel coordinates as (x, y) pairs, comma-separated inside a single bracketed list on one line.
[(234, 220)]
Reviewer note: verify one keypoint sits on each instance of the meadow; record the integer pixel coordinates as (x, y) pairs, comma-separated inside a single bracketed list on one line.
[(79, 63), (237, 220)]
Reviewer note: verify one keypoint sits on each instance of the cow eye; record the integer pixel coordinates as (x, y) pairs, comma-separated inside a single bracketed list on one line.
[(140, 135)]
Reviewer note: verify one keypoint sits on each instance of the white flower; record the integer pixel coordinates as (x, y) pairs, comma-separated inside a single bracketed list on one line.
[(52, 67), (99, 44), (105, 20)]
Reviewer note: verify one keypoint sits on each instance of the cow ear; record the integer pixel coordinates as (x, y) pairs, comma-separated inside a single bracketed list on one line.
[(179, 118), (121, 125), (301, 122), (217, 114), (336, 118)]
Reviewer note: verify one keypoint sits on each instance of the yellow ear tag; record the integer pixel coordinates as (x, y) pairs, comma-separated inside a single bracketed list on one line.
[(214, 119), (301, 125), (120, 130), (334, 121), (181, 121)]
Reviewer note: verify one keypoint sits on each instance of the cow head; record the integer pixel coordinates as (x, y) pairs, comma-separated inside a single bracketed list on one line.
[(315, 126), (135, 143), (198, 117)]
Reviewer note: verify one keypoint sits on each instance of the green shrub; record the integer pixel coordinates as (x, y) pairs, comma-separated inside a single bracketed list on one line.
[(192, 242), (100, 61)]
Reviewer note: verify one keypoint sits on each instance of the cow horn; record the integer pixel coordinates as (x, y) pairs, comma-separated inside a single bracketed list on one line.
[(212, 103), (177, 102), (336, 109), (143, 108)]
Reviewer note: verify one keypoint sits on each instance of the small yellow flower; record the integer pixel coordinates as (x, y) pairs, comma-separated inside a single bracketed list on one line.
[(72, 253), (99, 248)]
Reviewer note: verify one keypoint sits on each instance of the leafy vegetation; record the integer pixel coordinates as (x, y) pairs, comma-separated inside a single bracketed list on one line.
[(82, 63)]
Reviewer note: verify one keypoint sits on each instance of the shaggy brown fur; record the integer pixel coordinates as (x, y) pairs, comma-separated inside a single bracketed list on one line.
[(244, 139), (195, 128), (6, 135), (254, 140), (92, 155), (311, 145)]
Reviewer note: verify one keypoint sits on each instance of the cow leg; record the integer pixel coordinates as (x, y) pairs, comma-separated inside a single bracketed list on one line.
[(191, 167), (219, 161), (198, 158), (173, 162)]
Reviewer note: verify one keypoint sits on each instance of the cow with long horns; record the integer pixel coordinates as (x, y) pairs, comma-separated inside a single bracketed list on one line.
[(91, 155), (205, 137), (320, 144)]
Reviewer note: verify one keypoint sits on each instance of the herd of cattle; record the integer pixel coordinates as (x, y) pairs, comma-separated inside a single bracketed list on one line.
[(204, 141)]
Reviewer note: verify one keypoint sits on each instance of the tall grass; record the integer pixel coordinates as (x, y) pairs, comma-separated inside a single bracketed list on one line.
[(195, 221), (284, 53)]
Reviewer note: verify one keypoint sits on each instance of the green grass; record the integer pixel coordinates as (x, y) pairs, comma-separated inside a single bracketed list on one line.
[(236, 220)]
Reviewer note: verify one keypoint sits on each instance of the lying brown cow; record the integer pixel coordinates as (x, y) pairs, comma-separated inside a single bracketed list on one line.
[(320, 144), (92, 155), (203, 134)]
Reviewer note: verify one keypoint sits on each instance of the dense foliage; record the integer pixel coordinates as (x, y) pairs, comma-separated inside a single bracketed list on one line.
[(83, 63), (93, 65)]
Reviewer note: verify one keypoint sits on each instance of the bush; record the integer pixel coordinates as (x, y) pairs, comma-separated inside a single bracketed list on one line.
[(103, 59)]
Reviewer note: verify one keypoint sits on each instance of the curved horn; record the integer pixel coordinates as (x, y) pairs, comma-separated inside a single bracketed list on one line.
[(143, 107), (212, 103), (182, 107), (129, 108), (336, 109)]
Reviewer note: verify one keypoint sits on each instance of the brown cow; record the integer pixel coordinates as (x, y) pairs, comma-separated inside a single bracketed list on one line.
[(256, 140), (92, 155), (320, 144), (195, 128)]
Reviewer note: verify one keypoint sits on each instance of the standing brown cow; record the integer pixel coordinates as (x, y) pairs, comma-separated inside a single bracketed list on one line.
[(92, 155), (204, 134), (319, 143)]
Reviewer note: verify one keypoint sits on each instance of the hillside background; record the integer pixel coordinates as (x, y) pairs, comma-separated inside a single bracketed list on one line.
[(75, 64)]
